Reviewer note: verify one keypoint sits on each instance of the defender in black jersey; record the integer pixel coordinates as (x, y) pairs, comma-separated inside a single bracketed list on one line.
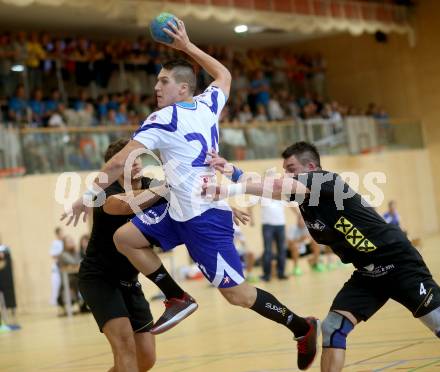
[(387, 265), (108, 281)]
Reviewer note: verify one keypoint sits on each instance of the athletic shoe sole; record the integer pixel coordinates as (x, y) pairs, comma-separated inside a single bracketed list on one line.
[(176, 319)]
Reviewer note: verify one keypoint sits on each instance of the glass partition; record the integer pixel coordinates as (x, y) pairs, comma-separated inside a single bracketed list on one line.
[(36, 151)]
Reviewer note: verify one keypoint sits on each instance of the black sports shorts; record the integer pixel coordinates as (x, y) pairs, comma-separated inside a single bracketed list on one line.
[(109, 299), (409, 283)]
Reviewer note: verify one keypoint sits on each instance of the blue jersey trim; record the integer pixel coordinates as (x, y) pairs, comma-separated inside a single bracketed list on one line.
[(187, 105), (214, 99), (226, 96), (171, 127)]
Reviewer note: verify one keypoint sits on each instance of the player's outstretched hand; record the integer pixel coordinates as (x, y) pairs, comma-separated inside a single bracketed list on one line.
[(74, 212), (219, 163), (240, 216), (178, 33)]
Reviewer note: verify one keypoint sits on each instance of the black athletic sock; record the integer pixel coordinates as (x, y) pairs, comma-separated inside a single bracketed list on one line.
[(268, 306), (166, 283)]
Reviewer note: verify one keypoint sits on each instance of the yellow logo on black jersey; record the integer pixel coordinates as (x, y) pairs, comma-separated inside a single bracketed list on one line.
[(366, 246), (353, 236), (343, 225)]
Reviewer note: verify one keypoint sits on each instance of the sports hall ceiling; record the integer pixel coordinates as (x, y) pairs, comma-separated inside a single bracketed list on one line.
[(89, 21)]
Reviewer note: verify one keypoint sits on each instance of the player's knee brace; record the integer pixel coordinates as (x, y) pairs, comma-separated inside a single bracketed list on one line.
[(432, 321), (335, 329)]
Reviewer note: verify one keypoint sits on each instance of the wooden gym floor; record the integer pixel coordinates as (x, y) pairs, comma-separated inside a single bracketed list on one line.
[(219, 337)]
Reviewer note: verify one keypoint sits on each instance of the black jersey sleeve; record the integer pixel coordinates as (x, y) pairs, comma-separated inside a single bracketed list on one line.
[(320, 184)]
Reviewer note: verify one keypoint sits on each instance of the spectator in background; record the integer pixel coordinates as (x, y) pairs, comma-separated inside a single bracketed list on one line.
[(37, 107), (245, 114), (103, 66), (292, 108), (274, 109), (391, 216), (48, 64), (260, 90), (51, 104), (261, 114), (113, 103), (35, 55), (241, 82), (111, 117), (82, 100), (63, 116), (121, 117), (83, 59), (55, 251), (102, 107), (69, 261), (17, 106), (273, 222), (56, 119), (86, 116)]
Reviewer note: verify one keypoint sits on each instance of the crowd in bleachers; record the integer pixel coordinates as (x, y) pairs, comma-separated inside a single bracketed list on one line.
[(74, 81)]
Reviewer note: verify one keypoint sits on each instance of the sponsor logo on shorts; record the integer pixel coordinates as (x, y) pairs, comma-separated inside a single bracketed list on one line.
[(159, 277), (278, 309), (226, 280), (428, 301), (150, 217)]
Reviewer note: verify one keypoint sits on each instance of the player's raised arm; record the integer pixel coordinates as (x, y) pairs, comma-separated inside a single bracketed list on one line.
[(220, 74)]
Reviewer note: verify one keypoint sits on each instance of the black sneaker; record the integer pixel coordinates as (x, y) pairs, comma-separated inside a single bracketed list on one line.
[(176, 310), (308, 344)]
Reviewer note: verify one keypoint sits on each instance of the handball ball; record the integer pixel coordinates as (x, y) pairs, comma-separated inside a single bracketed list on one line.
[(160, 22)]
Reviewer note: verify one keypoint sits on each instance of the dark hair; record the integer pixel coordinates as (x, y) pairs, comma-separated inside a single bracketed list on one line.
[(114, 148), (58, 230), (304, 152), (183, 72)]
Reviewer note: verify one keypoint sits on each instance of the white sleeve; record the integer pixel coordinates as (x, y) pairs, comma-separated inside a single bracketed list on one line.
[(153, 131), (214, 98), (57, 248)]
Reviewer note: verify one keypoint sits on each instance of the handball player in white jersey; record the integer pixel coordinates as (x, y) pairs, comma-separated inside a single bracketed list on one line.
[(185, 130)]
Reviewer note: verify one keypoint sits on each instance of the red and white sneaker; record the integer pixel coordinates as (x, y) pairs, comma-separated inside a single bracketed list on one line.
[(176, 309)]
